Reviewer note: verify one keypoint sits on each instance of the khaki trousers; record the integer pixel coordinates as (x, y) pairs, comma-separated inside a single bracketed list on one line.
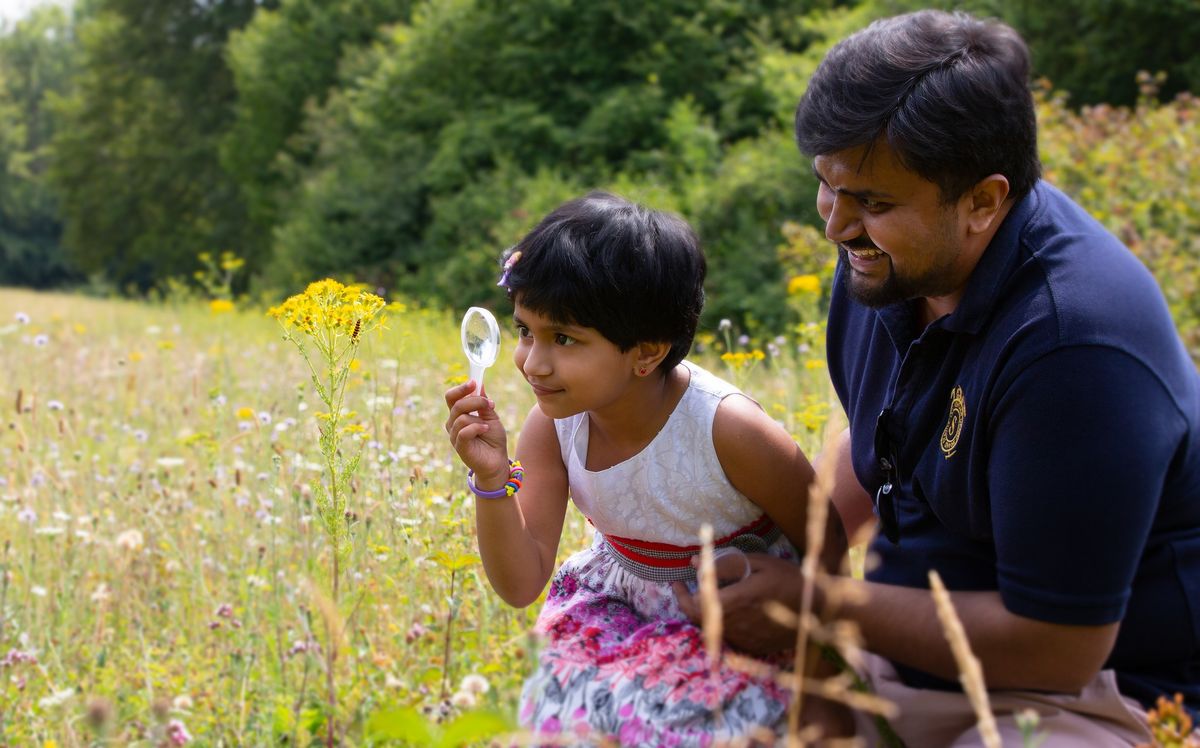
[(1097, 717)]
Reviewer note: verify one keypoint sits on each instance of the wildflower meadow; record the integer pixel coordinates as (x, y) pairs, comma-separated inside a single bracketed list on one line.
[(175, 570)]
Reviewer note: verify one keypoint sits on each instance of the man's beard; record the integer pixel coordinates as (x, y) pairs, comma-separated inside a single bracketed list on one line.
[(938, 280), (874, 295)]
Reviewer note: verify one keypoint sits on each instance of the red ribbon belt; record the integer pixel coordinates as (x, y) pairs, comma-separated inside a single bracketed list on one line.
[(663, 562)]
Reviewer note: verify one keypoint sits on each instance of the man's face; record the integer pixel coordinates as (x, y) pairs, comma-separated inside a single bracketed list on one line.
[(897, 237)]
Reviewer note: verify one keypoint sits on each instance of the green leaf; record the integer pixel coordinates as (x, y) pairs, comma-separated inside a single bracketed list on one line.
[(474, 727), (403, 723), (284, 720), (313, 719)]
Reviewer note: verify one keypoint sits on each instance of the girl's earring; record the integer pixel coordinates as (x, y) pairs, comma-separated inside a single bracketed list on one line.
[(642, 371)]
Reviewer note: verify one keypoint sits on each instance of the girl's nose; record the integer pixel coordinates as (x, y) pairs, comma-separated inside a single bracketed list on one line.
[(536, 361)]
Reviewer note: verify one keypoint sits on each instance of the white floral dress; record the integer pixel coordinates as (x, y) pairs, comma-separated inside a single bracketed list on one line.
[(619, 661)]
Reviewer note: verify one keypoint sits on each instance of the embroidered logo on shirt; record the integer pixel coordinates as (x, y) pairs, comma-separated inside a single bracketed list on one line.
[(954, 424)]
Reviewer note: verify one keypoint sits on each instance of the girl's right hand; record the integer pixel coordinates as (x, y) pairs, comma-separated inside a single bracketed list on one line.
[(477, 435)]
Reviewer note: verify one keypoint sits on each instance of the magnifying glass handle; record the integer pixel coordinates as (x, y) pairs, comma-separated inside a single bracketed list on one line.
[(477, 375)]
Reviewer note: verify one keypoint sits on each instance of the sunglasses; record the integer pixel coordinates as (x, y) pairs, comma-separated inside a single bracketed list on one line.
[(886, 495)]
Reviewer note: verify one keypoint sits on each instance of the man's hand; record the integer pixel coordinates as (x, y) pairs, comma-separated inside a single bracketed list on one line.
[(747, 626)]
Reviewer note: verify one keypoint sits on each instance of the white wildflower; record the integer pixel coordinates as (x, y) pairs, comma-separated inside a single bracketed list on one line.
[(56, 698), (131, 540), (474, 683)]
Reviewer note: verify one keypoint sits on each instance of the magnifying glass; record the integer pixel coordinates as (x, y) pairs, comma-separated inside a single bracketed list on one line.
[(480, 342)]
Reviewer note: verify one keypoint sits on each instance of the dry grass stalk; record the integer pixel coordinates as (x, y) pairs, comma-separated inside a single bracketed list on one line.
[(710, 603), (819, 494), (970, 672), (841, 691), (335, 625)]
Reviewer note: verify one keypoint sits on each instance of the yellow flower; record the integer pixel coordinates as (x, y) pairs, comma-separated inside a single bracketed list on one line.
[(219, 306), (135, 356), (814, 363), (804, 284), (355, 364), (328, 308), (245, 414), (230, 261)]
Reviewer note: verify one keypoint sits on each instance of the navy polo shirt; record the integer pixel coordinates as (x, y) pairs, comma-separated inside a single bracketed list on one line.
[(1046, 441)]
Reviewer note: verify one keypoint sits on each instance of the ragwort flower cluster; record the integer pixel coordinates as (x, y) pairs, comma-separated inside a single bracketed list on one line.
[(333, 315)]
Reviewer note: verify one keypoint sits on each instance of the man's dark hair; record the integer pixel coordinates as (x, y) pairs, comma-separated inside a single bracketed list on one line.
[(600, 261), (949, 93)]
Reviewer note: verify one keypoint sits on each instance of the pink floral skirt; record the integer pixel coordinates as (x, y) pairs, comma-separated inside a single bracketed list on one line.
[(620, 663)]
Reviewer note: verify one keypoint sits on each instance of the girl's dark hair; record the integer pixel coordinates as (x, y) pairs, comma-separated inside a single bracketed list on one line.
[(949, 93), (600, 261)]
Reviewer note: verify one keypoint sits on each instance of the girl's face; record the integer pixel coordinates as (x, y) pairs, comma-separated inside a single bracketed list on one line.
[(571, 369)]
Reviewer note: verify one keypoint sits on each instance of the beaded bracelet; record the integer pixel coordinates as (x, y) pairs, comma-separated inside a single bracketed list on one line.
[(515, 475)]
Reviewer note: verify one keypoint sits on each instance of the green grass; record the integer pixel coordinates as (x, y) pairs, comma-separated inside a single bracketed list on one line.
[(160, 557)]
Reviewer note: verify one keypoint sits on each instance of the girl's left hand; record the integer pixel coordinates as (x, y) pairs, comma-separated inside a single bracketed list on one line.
[(477, 434)]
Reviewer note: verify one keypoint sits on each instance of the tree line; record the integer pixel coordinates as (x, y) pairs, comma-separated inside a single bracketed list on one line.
[(404, 143)]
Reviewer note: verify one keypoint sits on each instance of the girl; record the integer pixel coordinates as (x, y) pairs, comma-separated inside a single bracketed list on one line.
[(606, 298)]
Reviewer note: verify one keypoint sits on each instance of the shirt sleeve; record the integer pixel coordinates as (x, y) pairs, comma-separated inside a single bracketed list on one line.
[(1081, 444)]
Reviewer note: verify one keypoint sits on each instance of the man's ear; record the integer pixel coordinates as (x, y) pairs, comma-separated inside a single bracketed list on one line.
[(649, 356), (985, 202)]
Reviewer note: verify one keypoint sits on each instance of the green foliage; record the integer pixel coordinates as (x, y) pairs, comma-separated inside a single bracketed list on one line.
[(284, 62), (1094, 48), (407, 142), (135, 155), (437, 136), (35, 63)]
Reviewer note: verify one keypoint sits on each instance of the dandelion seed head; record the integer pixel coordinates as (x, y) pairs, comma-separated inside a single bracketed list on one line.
[(131, 540), (474, 683)]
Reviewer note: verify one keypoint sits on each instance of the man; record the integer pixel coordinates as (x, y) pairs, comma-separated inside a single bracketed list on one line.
[(1022, 414)]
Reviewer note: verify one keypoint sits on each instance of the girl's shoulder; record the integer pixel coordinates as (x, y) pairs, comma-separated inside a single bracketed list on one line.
[(705, 382)]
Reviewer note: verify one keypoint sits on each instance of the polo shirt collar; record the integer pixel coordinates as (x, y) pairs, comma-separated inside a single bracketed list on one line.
[(997, 264)]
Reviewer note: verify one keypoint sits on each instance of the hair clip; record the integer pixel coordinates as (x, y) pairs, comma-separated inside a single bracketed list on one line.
[(508, 264)]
